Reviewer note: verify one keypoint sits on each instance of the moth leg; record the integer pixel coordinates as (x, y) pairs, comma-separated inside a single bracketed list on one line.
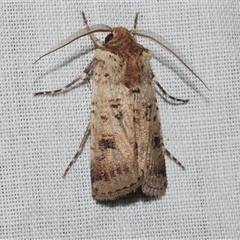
[(84, 75), (169, 96), (135, 21), (97, 41), (174, 159), (79, 151)]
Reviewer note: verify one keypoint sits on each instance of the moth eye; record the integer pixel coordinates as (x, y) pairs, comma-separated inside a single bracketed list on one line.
[(109, 37)]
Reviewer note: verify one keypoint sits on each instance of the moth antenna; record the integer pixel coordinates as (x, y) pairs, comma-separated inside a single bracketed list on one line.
[(76, 35), (161, 41)]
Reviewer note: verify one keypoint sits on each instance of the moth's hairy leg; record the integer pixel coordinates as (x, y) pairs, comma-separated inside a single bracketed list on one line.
[(79, 151), (135, 21), (84, 75), (168, 95), (97, 41), (174, 159)]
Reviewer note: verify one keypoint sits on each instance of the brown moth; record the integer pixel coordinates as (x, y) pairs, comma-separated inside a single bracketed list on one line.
[(127, 149)]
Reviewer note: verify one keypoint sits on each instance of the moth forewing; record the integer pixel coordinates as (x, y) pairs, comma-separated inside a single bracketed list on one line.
[(127, 149), (114, 167), (155, 180), (125, 145)]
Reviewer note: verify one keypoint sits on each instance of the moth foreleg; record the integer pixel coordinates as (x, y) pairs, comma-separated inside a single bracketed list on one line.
[(83, 75), (97, 41), (79, 151), (135, 21), (174, 159), (167, 95)]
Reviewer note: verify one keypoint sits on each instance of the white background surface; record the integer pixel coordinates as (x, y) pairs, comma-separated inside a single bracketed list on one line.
[(39, 136)]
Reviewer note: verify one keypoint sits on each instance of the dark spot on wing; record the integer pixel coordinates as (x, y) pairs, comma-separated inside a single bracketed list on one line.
[(119, 116), (114, 105), (136, 150), (126, 168), (104, 118), (156, 142), (99, 158), (163, 172), (136, 90), (147, 113), (107, 143), (114, 100), (112, 172), (99, 176), (118, 170)]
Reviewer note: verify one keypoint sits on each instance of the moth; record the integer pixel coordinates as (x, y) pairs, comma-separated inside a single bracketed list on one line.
[(127, 149)]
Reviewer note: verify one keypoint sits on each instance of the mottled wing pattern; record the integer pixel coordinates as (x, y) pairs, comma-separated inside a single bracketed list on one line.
[(126, 142), (148, 135), (114, 165), (152, 148)]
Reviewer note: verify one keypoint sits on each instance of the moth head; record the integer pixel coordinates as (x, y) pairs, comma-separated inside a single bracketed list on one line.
[(119, 34)]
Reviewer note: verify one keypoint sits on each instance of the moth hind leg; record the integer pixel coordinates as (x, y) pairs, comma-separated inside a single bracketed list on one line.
[(174, 159), (168, 95), (79, 151)]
